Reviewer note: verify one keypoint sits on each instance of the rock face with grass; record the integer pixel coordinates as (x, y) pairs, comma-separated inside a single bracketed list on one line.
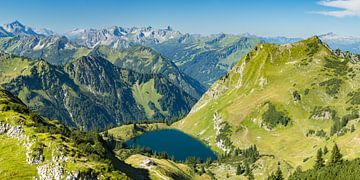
[(45, 149), (91, 93), (275, 96)]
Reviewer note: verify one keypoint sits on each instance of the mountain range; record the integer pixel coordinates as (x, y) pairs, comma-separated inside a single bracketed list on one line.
[(190, 52)]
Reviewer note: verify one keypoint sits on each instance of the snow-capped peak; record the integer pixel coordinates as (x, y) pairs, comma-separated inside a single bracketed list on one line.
[(17, 28), (44, 31), (116, 36)]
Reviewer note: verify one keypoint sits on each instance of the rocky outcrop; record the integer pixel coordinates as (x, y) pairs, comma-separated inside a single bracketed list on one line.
[(34, 152), (50, 171), (222, 140), (12, 131), (47, 169), (240, 71), (33, 155), (325, 115)]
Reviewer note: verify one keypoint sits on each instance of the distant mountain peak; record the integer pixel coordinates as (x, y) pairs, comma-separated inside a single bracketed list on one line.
[(18, 28), (16, 23), (44, 31)]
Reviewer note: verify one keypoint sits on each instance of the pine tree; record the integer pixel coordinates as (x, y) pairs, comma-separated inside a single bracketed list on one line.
[(247, 169), (319, 162), (336, 156), (325, 150), (278, 174)]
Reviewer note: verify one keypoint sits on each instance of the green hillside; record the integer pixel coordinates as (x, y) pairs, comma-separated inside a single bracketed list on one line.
[(289, 100), (91, 93)]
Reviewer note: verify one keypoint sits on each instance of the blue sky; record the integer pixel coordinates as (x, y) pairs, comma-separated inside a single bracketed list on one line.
[(295, 18)]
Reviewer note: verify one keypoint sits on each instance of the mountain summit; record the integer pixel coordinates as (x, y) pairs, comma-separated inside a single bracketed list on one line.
[(16, 28), (285, 99)]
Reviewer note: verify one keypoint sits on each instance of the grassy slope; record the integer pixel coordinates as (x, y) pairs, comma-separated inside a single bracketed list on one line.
[(272, 73), (127, 132), (163, 169), (13, 68), (145, 94), (12, 150), (12, 159)]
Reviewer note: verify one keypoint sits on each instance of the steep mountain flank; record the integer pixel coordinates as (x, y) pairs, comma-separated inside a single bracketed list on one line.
[(92, 93), (146, 60), (288, 99)]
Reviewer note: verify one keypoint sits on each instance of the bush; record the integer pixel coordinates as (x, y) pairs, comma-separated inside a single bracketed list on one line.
[(296, 96), (332, 86), (355, 98), (272, 117)]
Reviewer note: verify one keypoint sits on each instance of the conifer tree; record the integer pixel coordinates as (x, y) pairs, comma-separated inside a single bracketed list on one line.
[(325, 150), (248, 171), (319, 162), (336, 156), (277, 175)]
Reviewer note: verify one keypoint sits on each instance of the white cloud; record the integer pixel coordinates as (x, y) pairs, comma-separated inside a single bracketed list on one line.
[(346, 8)]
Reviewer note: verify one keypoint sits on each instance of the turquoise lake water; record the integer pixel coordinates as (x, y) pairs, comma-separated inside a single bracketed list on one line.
[(174, 143)]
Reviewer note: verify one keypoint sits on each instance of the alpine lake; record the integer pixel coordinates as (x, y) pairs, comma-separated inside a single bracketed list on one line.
[(173, 142)]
